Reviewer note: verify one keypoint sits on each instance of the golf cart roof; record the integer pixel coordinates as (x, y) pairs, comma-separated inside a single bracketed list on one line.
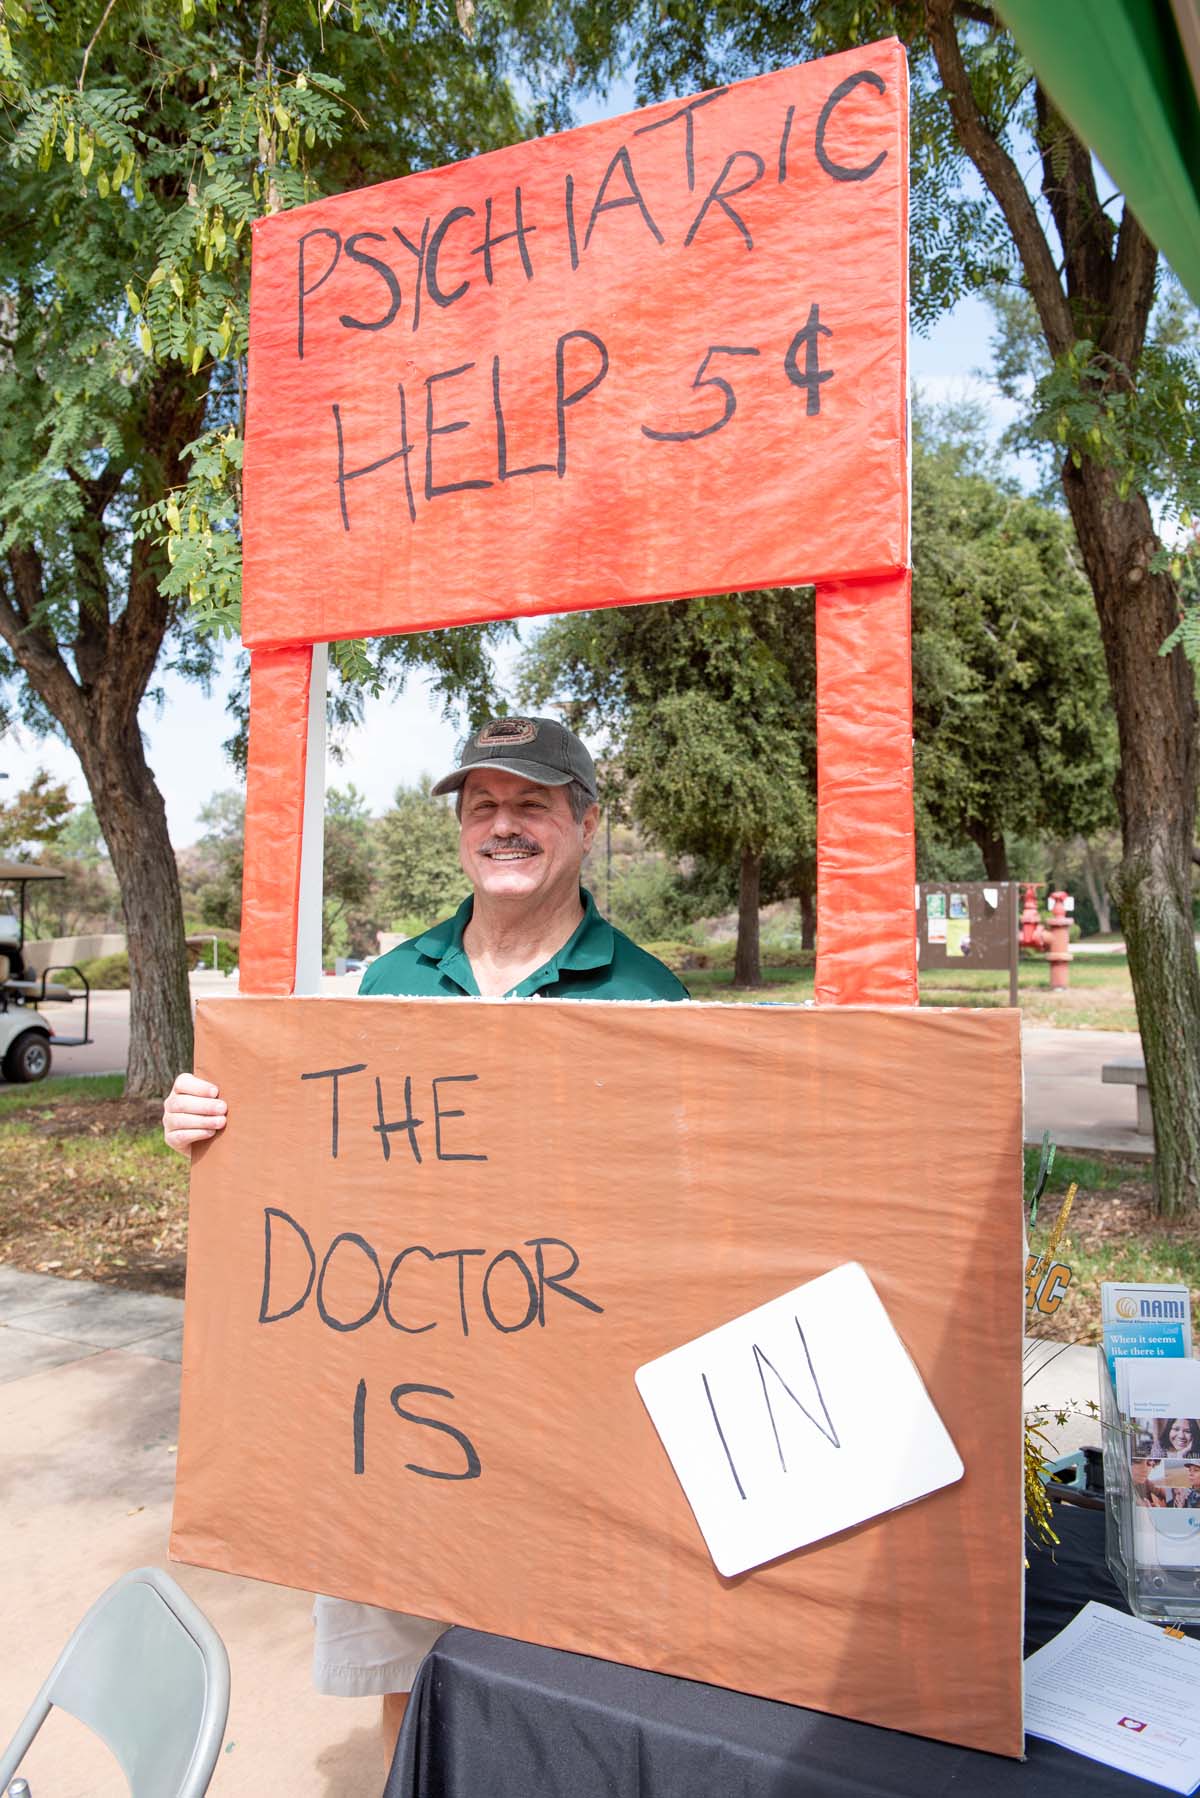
[(10, 871)]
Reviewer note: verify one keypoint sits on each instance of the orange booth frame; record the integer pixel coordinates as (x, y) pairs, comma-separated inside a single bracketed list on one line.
[(825, 195), (735, 268)]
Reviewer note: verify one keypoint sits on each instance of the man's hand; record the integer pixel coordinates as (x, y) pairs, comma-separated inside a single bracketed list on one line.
[(193, 1111)]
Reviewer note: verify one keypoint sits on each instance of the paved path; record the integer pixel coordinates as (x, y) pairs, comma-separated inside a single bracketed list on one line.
[(1064, 1093), (89, 1405)]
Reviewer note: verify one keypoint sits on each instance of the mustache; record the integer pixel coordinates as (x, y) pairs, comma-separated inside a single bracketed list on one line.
[(510, 844)]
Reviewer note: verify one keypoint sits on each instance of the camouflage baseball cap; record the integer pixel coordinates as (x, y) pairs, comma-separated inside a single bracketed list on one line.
[(541, 749)]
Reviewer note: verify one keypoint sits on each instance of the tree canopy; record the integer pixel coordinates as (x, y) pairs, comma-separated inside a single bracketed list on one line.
[(420, 875), (141, 143), (710, 708), (1013, 733)]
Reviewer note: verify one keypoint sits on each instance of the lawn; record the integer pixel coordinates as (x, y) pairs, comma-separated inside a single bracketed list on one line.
[(88, 1188), (1100, 996)]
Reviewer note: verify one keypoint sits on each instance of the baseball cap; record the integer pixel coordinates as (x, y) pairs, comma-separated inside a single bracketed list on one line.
[(541, 749)]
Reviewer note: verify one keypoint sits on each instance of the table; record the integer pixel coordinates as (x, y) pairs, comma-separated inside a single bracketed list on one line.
[(493, 1718)]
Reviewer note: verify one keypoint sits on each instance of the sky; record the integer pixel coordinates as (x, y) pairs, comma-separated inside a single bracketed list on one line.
[(403, 737)]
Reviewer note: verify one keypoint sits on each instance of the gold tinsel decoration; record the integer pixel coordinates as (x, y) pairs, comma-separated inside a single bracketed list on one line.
[(1039, 1512)]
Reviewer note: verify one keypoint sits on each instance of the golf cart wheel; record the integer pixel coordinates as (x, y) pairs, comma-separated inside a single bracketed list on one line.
[(28, 1058)]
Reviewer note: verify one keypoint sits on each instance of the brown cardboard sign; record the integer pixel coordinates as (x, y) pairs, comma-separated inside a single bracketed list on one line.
[(437, 1239)]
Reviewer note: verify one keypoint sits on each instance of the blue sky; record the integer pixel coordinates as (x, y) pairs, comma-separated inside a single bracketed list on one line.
[(404, 737)]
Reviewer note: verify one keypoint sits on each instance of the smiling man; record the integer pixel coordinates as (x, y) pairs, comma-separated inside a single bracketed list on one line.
[(528, 812)]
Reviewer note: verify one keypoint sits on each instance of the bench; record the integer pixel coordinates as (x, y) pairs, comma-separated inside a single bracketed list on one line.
[(1130, 1070)]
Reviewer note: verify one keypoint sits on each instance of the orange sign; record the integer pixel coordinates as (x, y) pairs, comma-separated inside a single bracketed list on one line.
[(437, 1239), (654, 357)]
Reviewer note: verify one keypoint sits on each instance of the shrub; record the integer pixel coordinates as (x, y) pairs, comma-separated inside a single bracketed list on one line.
[(108, 973), (683, 958), (200, 955)]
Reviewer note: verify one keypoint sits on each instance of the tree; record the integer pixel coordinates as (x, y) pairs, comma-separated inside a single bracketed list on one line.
[(35, 817), (421, 877), (215, 864), (349, 870), (711, 704), (81, 837), (141, 144), (1118, 404), (1012, 731)]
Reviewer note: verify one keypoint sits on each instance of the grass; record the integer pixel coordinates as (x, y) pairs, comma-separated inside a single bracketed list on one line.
[(88, 1188), (1100, 996), (1113, 1233), (60, 1087)]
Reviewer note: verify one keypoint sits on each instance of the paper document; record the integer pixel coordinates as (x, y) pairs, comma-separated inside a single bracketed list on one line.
[(1121, 1692)]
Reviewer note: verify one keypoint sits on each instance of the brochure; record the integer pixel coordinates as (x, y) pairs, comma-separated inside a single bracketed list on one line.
[(1143, 1321), (1122, 1692)]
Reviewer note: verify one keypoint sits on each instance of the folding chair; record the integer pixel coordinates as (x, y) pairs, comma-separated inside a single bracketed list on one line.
[(147, 1672)]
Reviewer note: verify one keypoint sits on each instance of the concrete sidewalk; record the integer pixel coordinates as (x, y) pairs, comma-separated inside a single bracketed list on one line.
[(1064, 1093), (89, 1406)]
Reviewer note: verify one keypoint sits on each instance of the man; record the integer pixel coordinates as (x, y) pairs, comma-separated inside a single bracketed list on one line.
[(1145, 1472), (528, 813)]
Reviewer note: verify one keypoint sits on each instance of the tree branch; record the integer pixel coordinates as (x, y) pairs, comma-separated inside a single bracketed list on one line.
[(92, 41), (977, 14), (99, 491), (32, 646), (260, 48), (1135, 271), (174, 414), (1084, 229), (1001, 176)]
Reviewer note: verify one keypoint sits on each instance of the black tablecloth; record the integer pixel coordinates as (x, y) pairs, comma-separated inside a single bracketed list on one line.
[(492, 1718)]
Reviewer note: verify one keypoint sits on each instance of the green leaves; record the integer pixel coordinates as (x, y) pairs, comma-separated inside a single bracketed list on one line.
[(198, 526), (1014, 734), (125, 216)]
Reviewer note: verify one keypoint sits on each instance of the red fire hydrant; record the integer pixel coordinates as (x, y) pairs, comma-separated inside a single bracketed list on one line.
[(1033, 932), (1060, 941)]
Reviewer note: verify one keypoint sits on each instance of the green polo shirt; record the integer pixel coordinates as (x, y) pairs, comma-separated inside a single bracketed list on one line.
[(598, 962)]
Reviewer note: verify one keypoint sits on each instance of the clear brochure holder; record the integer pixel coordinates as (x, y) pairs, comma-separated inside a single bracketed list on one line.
[(1153, 1553)]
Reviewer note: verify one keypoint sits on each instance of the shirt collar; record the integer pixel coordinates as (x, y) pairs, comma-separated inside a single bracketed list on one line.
[(591, 945)]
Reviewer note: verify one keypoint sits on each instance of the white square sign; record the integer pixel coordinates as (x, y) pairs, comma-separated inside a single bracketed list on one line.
[(796, 1421)]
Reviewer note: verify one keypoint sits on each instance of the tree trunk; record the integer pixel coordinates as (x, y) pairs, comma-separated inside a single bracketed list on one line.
[(1154, 698), (808, 917), (132, 816), (992, 848), (114, 650), (747, 967)]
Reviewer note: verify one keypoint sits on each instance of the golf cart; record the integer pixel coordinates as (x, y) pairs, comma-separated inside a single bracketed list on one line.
[(26, 1034)]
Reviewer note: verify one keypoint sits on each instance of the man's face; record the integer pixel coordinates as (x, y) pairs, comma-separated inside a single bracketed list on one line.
[(1194, 1475), (518, 840)]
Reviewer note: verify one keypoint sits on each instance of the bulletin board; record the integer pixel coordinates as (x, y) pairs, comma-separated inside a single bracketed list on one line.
[(659, 356), (438, 1238)]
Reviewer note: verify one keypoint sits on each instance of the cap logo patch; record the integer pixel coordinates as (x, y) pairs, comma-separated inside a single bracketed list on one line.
[(502, 732)]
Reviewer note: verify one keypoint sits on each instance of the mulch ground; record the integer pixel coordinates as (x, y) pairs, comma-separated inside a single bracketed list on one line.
[(1113, 1233), (93, 1117), (88, 1192)]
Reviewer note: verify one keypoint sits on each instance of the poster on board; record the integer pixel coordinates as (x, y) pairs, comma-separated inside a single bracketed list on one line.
[(439, 1237), (661, 355)]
